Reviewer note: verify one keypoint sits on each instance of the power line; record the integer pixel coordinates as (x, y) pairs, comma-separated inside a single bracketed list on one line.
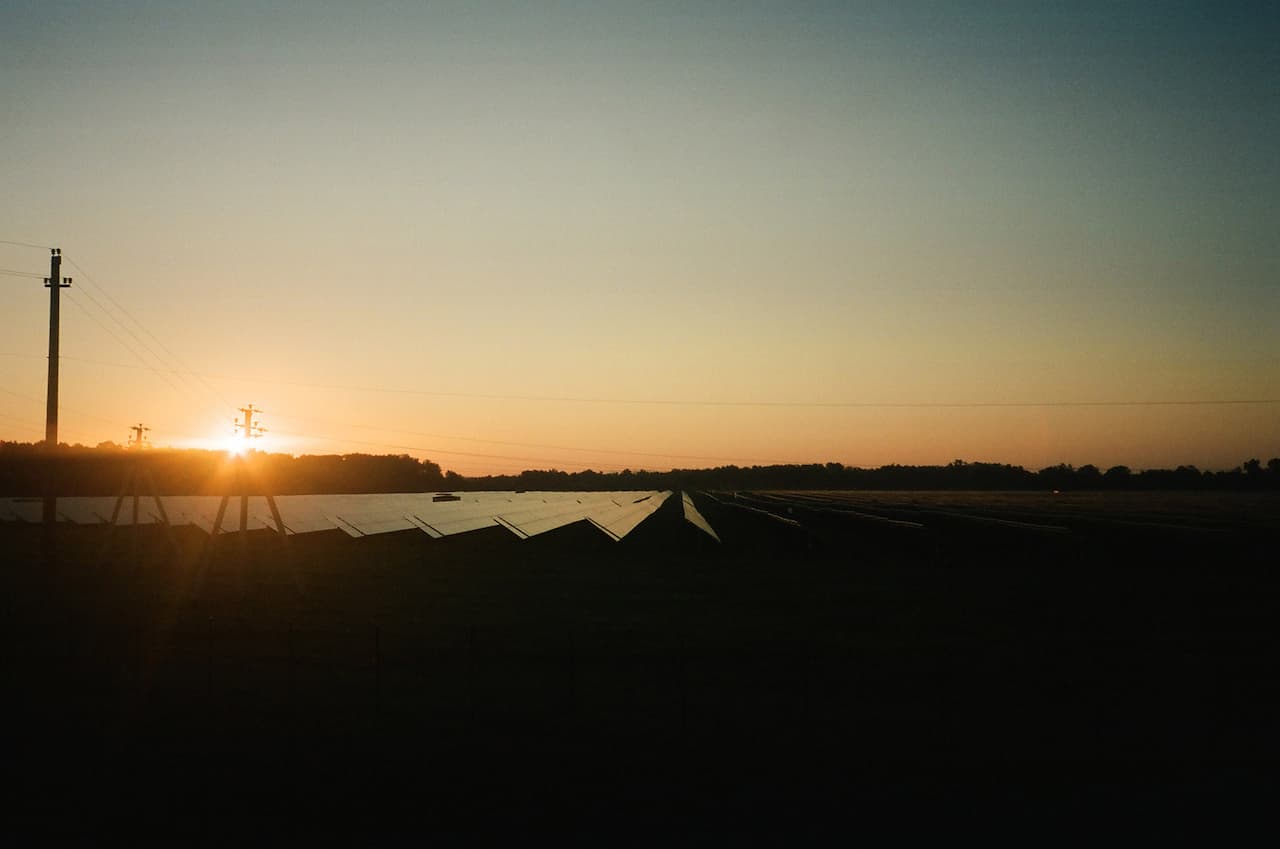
[(26, 428), (607, 451), (25, 244), (13, 272), (870, 405), (23, 422), (107, 330), (440, 451), (20, 395), (41, 401), (184, 384), (142, 343), (185, 387), (144, 365), (434, 450), (790, 404), (531, 444), (115, 423), (40, 428), (122, 342), (428, 450), (89, 279)]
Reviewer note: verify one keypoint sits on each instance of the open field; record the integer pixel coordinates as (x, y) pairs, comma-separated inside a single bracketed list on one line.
[(841, 664)]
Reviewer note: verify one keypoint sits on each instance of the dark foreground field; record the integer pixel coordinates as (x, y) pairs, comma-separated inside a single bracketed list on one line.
[(822, 679)]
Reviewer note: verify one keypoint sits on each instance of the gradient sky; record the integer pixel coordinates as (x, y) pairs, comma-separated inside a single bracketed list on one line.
[(646, 207)]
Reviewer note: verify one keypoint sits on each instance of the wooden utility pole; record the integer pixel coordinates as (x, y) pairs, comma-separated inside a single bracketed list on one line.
[(55, 284)]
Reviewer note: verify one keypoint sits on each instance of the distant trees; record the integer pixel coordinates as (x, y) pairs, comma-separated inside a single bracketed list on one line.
[(1088, 477), (80, 470), (1117, 477), (100, 471), (958, 475), (1061, 476)]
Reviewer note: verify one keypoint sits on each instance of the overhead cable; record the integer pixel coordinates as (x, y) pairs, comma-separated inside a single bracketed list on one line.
[(41, 402), (870, 405), (529, 444), (13, 272), (106, 293), (175, 387), (185, 387), (429, 450)]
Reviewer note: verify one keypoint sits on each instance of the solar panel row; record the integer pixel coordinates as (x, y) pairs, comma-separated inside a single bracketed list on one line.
[(693, 517), (525, 514)]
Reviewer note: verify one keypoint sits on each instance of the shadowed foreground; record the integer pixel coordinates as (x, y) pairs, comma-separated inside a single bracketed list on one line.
[(778, 688)]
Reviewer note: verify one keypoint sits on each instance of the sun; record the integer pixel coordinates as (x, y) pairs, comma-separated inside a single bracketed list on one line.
[(234, 445)]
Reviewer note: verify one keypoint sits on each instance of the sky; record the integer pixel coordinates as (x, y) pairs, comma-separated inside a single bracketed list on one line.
[(649, 235)]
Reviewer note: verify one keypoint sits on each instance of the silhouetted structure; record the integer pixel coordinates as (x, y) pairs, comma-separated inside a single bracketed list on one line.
[(55, 284), (135, 475), (242, 472)]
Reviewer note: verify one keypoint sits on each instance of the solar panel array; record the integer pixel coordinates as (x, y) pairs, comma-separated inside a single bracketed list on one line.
[(693, 517), (525, 514)]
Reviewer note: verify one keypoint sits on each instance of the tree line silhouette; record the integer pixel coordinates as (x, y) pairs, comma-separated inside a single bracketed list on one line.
[(82, 470), (959, 475)]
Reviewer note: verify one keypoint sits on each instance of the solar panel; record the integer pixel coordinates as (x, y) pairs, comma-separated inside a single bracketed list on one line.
[(623, 519), (472, 512), (526, 514), (19, 510), (695, 518), (536, 520), (369, 524), (95, 511)]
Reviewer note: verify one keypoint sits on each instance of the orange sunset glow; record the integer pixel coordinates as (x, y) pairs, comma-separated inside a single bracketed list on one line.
[(649, 248)]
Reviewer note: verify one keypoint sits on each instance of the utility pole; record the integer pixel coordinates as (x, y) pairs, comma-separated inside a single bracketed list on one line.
[(55, 284), (251, 432), (136, 473), (137, 442), (137, 436)]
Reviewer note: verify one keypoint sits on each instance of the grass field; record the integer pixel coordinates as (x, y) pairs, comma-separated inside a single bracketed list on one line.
[(812, 682)]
